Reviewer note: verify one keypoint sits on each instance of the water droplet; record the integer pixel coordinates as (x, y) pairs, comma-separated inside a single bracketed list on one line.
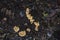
[(21, 13)]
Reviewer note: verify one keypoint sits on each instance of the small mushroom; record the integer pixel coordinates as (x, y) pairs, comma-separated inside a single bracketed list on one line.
[(16, 28), (22, 33)]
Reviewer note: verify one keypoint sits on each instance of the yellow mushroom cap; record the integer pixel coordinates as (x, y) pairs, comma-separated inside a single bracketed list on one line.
[(16, 28), (36, 25), (32, 20), (36, 29), (27, 11), (22, 33), (28, 15)]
